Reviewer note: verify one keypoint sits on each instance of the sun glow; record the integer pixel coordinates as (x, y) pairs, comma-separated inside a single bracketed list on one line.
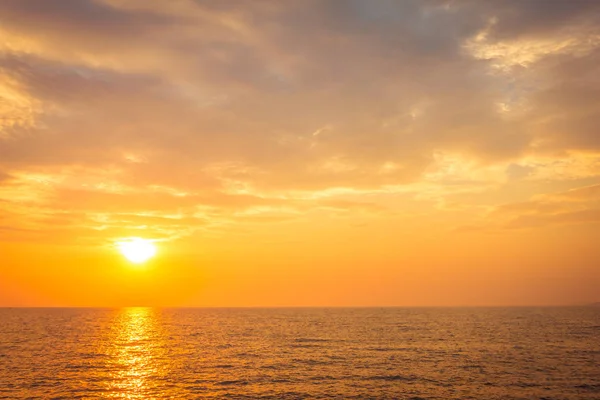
[(137, 250)]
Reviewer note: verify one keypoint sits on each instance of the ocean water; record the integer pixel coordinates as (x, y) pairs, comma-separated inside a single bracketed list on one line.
[(368, 353)]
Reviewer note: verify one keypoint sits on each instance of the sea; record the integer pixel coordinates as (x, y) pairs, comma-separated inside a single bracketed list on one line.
[(300, 353)]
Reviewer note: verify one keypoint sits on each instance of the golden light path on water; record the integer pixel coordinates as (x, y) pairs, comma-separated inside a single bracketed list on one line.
[(139, 354)]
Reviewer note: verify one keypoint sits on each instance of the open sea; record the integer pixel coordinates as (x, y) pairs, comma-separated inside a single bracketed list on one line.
[(316, 353)]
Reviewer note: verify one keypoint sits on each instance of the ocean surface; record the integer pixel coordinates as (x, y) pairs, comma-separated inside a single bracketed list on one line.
[(364, 353)]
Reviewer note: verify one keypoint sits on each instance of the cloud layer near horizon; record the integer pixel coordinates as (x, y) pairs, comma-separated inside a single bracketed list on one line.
[(190, 117)]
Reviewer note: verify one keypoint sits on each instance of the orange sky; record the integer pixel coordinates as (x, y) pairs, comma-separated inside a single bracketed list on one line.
[(308, 153)]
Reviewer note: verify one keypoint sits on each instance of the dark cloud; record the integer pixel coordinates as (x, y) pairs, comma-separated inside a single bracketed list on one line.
[(531, 18), (88, 17), (568, 108)]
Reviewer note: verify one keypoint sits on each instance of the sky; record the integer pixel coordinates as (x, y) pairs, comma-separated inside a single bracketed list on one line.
[(300, 153)]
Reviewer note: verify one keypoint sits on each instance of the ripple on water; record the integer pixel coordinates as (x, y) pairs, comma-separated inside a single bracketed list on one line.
[(290, 354)]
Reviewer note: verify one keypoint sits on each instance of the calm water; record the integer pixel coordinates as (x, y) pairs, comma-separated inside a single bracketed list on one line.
[(495, 353)]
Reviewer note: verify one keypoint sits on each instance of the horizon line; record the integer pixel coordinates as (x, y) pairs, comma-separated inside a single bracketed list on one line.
[(309, 307)]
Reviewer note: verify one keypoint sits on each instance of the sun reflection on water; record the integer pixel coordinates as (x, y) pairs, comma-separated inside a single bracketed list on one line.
[(138, 350)]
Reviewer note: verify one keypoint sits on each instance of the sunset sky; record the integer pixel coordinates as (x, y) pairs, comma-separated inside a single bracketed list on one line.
[(300, 153)]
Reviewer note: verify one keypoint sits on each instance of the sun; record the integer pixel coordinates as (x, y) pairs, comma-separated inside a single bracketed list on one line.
[(137, 250)]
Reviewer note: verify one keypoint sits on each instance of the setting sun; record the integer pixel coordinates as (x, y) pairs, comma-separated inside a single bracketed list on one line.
[(137, 250)]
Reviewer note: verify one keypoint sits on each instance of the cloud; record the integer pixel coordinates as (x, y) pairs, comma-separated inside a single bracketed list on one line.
[(117, 106), (4, 176), (517, 19), (532, 221), (576, 206), (585, 194)]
